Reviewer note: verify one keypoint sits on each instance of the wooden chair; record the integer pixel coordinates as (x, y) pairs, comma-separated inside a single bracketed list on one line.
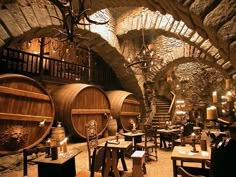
[(93, 172), (184, 137), (184, 173), (149, 145), (28, 152), (194, 171), (92, 139), (92, 143)]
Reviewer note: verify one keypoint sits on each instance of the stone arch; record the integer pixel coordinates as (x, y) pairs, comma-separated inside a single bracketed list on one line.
[(21, 23), (166, 79), (173, 28), (191, 53), (211, 19), (27, 19)]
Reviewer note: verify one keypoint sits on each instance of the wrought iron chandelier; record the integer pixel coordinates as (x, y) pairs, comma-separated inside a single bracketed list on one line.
[(143, 60), (73, 13)]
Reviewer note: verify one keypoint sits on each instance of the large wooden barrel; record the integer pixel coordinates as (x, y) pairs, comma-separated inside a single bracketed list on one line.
[(26, 113), (124, 107), (77, 104)]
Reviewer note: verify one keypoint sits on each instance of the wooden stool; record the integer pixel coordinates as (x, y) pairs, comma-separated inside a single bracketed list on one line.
[(139, 166)]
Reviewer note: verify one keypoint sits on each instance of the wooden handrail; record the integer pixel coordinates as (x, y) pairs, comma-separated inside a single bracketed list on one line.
[(16, 61), (172, 106), (172, 102)]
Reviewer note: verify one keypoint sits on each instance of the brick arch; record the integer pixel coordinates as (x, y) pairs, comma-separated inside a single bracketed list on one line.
[(35, 19), (189, 53), (24, 22), (182, 60), (211, 19), (167, 26)]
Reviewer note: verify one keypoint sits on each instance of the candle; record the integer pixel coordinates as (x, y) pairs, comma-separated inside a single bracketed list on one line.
[(48, 142), (48, 146), (117, 137), (65, 145), (211, 113), (214, 97), (134, 128), (193, 135), (229, 96), (227, 84), (61, 144)]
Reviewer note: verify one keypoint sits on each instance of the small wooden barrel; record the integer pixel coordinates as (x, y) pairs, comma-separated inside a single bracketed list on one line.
[(77, 104), (26, 113), (57, 134), (112, 127), (124, 107)]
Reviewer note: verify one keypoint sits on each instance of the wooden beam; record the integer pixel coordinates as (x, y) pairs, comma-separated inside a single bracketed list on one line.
[(131, 101), (23, 117), (23, 93), (130, 113), (90, 111)]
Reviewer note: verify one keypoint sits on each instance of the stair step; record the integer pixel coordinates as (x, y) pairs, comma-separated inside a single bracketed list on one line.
[(161, 115), (162, 111), (161, 108), (161, 119), (162, 105)]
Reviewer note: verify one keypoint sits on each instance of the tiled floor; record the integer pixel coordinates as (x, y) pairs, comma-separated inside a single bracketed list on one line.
[(160, 168)]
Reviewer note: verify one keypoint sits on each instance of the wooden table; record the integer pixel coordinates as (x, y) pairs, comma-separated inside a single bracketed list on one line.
[(64, 166), (136, 137), (113, 153), (184, 154), (171, 133)]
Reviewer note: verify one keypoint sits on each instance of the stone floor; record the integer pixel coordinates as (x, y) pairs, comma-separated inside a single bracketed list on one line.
[(160, 168)]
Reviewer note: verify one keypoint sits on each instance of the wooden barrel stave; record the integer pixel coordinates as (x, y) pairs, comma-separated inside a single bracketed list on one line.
[(81, 103), (24, 104), (124, 106)]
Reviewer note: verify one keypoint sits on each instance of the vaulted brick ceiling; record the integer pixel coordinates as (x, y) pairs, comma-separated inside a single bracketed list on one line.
[(206, 27)]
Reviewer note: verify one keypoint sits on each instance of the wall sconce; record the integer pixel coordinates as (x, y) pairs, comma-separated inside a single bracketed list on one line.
[(28, 44)]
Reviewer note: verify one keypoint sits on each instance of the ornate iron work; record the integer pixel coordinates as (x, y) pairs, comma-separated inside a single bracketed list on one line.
[(73, 13)]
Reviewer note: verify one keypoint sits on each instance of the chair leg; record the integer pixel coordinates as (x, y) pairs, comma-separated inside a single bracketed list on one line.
[(144, 168), (156, 154)]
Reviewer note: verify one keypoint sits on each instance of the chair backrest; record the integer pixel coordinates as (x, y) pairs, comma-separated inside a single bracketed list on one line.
[(95, 157), (188, 129), (185, 173), (150, 134), (92, 138), (93, 162), (223, 158), (28, 152)]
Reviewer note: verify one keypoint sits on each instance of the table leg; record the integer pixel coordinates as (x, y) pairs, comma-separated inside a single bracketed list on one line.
[(174, 168), (115, 162), (122, 158), (66, 169), (108, 163), (203, 165), (162, 141), (112, 162)]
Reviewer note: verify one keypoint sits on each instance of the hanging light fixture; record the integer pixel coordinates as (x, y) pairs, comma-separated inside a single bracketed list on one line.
[(73, 12), (143, 60)]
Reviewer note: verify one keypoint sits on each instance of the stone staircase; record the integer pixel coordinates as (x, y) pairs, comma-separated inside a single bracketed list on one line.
[(161, 115)]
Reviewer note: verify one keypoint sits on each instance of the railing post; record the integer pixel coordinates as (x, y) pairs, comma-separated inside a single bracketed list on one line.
[(41, 53)]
